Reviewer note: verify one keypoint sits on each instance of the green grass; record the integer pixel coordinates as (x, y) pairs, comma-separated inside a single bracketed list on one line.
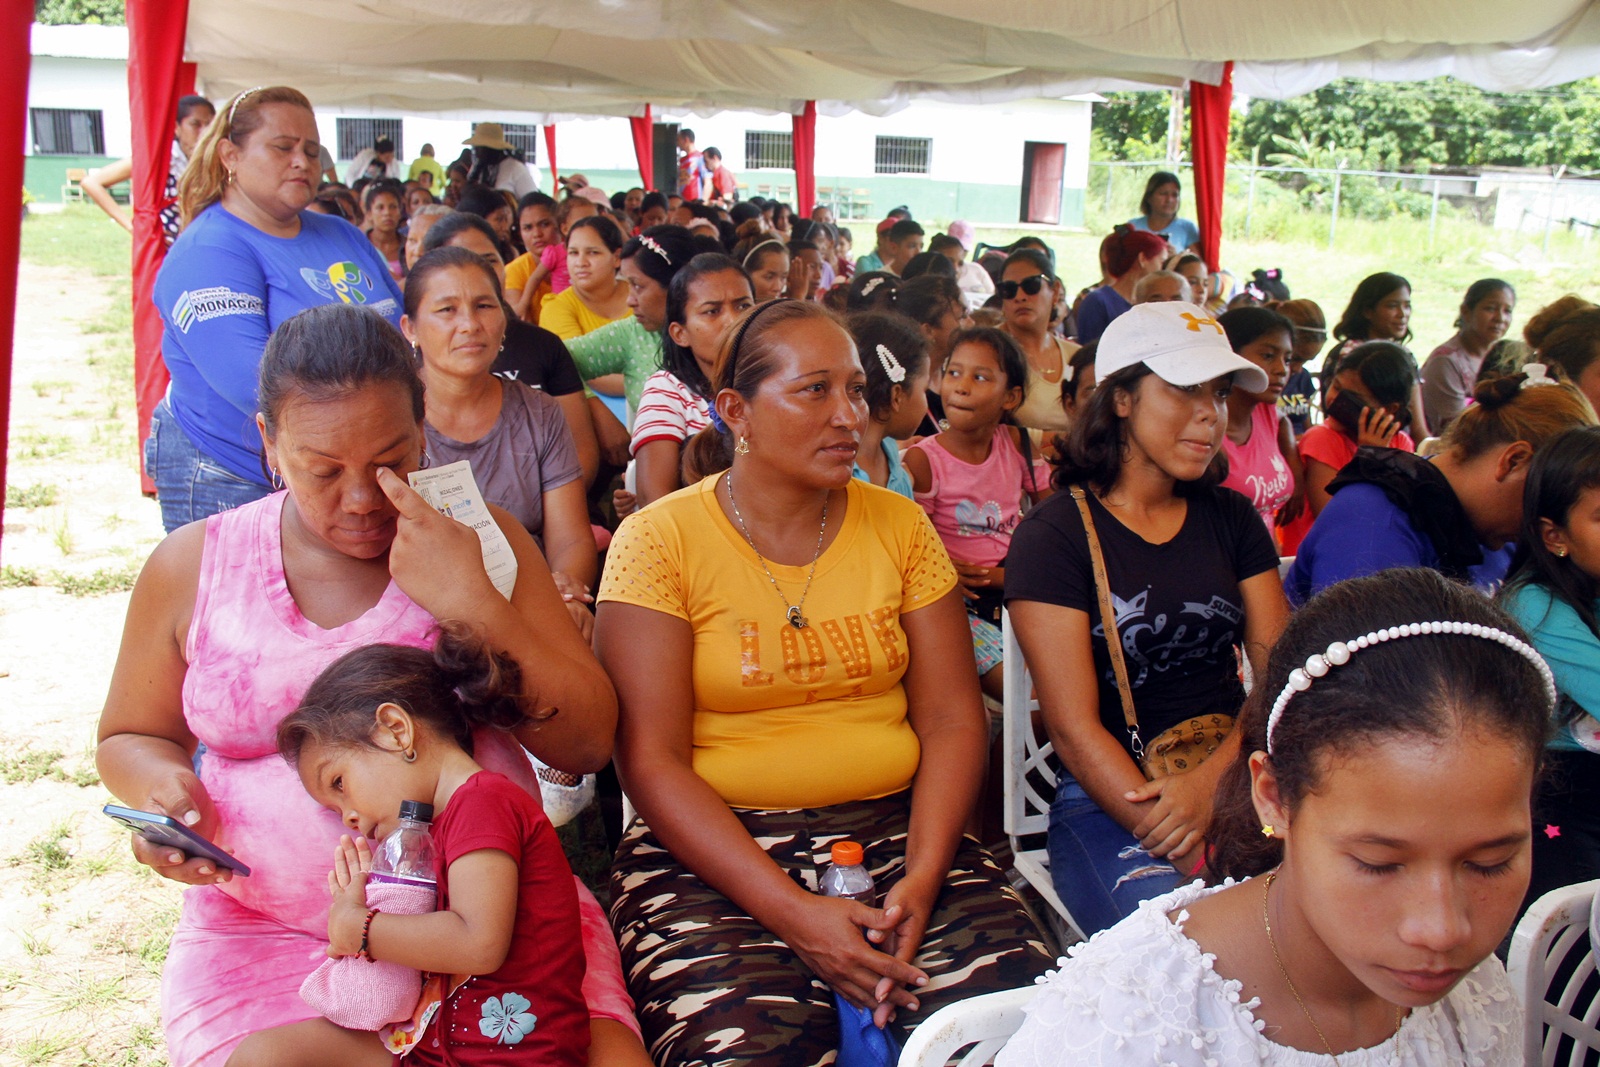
[(33, 765), (18, 577), (98, 582), (80, 237), (31, 496)]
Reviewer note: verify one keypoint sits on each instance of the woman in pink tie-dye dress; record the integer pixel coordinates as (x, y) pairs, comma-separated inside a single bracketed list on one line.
[(232, 618)]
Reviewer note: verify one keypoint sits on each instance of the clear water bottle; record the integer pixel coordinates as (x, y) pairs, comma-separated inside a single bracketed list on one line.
[(407, 855), (847, 876)]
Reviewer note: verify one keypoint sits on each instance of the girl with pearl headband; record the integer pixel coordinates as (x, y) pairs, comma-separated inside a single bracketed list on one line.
[(1359, 910)]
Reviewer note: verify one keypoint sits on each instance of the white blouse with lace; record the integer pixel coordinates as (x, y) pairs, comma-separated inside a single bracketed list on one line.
[(1142, 993)]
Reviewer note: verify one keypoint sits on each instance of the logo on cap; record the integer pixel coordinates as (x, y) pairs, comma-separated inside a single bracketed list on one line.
[(1195, 322)]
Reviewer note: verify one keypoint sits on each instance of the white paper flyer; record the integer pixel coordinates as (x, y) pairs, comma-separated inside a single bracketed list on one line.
[(453, 491)]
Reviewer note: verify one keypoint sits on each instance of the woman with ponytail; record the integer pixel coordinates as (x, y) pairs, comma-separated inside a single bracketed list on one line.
[(1454, 512), (250, 256), (1379, 811)]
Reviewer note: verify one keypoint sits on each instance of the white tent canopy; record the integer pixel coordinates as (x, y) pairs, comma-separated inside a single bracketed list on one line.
[(612, 57)]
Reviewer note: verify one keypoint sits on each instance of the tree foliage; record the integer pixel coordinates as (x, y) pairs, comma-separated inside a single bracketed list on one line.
[(1438, 123), (65, 12), (1132, 126)]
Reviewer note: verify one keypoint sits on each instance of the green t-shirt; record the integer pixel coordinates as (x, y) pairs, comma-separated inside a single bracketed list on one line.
[(431, 166), (622, 347)]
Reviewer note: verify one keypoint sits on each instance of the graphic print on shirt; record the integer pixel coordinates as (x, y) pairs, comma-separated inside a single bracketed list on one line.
[(973, 520), (507, 1018), (806, 659), (343, 281), (201, 305), (1152, 646), (1264, 490)]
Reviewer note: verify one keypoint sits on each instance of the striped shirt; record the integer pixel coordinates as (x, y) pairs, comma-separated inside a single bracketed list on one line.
[(668, 411)]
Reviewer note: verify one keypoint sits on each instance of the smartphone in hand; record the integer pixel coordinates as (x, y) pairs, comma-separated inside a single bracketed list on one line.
[(165, 830)]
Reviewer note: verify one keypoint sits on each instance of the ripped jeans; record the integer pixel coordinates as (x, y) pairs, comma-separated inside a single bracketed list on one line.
[(1099, 869)]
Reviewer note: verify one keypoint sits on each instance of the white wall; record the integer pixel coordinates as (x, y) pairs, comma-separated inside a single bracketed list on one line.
[(88, 84)]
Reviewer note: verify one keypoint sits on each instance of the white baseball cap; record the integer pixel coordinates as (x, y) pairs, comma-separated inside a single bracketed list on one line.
[(1181, 344)]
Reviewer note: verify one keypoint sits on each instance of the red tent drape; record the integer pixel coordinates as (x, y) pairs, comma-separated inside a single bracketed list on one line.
[(644, 146), (804, 126), (550, 150), (16, 21), (157, 76), (1209, 108)]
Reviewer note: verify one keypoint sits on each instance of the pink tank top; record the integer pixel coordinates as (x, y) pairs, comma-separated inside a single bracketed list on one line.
[(251, 656), (976, 506), (1257, 468)]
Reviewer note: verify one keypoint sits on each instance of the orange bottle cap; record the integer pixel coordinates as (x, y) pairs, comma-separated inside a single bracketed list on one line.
[(847, 854)]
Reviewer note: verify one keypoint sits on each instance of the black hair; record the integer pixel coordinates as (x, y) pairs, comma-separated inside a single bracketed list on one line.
[(604, 226), (1013, 364), (925, 298), (1247, 324), (331, 351), (393, 187), (903, 341), (1156, 181), (445, 258), (941, 241), (187, 105), (677, 247), (928, 263), (486, 163), (1561, 472), (1034, 258), (1481, 290), (712, 150), (677, 359), (1097, 441), (1370, 291), (744, 211), (618, 201), (451, 226), (457, 686), (654, 199), (872, 290), (906, 227), (684, 131), (481, 200), (1387, 370), (537, 199), (1430, 686)]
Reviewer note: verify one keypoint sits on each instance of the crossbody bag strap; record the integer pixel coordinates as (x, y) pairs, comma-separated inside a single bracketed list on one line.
[(1108, 616)]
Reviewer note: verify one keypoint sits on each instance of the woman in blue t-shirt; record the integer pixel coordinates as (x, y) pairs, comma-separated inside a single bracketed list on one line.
[(1553, 593), (249, 257), (1158, 213), (1192, 573)]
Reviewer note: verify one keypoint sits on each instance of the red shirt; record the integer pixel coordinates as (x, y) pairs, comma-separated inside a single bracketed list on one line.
[(532, 1009)]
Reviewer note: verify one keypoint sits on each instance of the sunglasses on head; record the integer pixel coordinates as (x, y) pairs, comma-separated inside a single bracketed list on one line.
[(1030, 285)]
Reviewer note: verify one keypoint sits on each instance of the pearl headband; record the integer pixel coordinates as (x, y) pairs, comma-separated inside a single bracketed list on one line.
[(1339, 653)]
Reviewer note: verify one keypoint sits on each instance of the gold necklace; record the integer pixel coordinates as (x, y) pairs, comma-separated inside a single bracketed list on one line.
[(792, 612), (1266, 892)]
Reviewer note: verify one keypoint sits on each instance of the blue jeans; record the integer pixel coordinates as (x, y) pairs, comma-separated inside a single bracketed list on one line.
[(190, 485), (1099, 869)]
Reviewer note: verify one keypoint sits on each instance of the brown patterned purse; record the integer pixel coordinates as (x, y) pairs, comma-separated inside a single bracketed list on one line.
[(1182, 747)]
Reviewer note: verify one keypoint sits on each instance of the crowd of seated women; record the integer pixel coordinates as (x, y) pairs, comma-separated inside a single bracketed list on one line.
[(766, 504)]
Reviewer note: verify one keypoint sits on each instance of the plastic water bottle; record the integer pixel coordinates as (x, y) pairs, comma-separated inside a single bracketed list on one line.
[(847, 876), (407, 856)]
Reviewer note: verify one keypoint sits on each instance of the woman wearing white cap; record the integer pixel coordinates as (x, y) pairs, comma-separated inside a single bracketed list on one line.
[(493, 163), (1189, 572)]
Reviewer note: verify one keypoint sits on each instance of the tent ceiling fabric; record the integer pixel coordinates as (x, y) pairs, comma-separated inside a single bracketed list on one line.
[(570, 57)]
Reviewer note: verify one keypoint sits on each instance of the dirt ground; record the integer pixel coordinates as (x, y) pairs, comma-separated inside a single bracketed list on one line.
[(83, 930)]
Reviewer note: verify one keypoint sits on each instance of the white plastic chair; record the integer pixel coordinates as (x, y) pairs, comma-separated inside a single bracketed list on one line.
[(1030, 786), (1552, 960), (974, 1029)]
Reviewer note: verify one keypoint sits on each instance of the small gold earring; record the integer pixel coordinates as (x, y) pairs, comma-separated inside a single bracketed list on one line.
[(743, 447), (1268, 831)]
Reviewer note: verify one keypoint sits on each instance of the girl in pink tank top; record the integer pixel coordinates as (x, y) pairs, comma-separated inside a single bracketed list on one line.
[(973, 479)]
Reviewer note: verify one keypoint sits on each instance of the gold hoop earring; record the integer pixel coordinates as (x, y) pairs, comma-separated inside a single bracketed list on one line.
[(743, 447)]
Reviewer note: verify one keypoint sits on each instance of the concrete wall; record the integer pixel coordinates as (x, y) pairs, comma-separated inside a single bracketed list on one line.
[(89, 84)]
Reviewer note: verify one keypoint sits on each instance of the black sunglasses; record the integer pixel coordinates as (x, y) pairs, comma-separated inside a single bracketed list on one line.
[(1030, 285)]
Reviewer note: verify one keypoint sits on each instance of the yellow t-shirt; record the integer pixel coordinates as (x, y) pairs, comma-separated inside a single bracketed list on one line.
[(787, 718), (518, 271), (564, 315)]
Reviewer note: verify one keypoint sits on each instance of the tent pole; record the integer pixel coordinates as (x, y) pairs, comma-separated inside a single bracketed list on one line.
[(1209, 107), (156, 77), (550, 150), (17, 29), (644, 151), (804, 140)]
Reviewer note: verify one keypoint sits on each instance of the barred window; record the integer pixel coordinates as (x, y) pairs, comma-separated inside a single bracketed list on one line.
[(525, 137), (356, 134), (768, 150), (902, 155), (67, 132)]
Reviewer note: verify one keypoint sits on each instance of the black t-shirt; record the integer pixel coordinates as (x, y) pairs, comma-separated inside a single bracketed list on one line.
[(537, 357), (1179, 611)]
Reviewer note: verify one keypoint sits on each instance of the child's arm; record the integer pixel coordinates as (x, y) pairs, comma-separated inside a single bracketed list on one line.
[(921, 471), (472, 937)]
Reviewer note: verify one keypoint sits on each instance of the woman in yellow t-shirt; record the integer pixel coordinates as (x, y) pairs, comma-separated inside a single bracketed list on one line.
[(793, 666), (596, 296)]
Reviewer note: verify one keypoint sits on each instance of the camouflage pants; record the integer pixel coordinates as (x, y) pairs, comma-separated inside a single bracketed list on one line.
[(714, 988)]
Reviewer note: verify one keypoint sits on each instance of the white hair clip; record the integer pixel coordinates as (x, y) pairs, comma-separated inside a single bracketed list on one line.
[(650, 243), (1537, 375), (239, 100), (872, 283), (891, 366), (1339, 653)]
